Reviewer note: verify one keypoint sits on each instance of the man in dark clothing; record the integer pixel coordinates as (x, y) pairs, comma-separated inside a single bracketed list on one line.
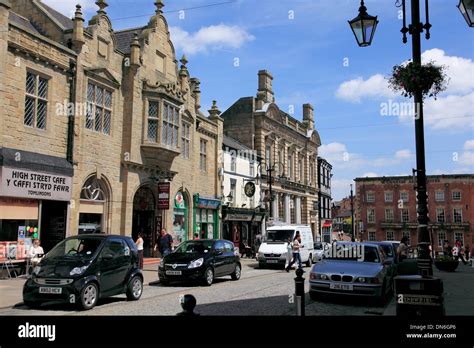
[(164, 243)]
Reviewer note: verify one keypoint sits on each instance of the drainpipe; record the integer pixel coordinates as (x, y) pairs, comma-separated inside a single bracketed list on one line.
[(71, 110)]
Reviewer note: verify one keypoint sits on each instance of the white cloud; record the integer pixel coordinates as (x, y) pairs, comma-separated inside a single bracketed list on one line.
[(469, 145), (467, 157), (355, 90), (370, 175), (68, 7), (213, 37), (341, 188), (403, 154), (450, 113)]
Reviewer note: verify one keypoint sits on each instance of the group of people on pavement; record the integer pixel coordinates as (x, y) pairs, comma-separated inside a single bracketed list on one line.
[(164, 245), (458, 252)]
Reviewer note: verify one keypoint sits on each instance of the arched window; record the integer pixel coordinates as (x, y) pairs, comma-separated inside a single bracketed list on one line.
[(93, 209)]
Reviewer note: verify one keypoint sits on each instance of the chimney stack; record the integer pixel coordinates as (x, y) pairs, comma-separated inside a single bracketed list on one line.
[(195, 83), (78, 29), (308, 115), (265, 88)]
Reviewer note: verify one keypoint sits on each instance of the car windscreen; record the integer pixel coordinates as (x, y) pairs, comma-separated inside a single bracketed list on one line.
[(318, 246), (194, 247), (387, 249), (76, 248), (279, 235)]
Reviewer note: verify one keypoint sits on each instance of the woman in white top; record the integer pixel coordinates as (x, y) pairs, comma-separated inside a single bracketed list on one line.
[(139, 244), (35, 253)]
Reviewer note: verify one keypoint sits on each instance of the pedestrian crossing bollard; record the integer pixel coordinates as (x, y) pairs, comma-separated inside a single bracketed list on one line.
[(299, 292)]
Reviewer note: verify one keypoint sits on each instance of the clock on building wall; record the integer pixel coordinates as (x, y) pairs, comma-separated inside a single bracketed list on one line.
[(250, 189)]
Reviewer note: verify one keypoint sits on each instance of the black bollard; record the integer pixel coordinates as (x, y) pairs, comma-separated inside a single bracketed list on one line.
[(299, 292), (188, 303)]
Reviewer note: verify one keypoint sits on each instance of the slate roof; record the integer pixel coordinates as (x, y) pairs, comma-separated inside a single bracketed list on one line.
[(124, 38), (21, 21), (66, 22), (233, 143)]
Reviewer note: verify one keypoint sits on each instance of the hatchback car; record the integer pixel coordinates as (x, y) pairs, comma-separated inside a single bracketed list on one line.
[(82, 269), (344, 272), (200, 260)]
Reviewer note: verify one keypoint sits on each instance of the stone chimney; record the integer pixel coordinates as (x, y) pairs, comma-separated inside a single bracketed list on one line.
[(265, 88), (184, 75), (308, 115), (195, 86), (214, 112), (78, 30), (135, 52)]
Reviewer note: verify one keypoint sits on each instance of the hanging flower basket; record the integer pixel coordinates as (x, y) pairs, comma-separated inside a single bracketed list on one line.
[(429, 78)]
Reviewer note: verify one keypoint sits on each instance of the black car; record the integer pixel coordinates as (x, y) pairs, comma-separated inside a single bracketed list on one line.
[(200, 260), (82, 269)]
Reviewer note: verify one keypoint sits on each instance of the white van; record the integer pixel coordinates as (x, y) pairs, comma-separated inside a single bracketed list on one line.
[(274, 251)]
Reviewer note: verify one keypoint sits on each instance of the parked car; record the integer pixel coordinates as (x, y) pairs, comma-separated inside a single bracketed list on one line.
[(82, 269), (395, 245), (319, 248), (200, 260), (390, 254), (88, 228), (353, 275), (273, 250)]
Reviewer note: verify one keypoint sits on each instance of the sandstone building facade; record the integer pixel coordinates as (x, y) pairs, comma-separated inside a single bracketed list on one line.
[(109, 117)]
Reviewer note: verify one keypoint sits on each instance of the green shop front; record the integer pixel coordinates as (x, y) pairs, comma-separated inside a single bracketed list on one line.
[(206, 217)]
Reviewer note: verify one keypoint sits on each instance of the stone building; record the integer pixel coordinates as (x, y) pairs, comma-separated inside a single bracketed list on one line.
[(289, 151), (112, 116), (386, 208), (325, 200)]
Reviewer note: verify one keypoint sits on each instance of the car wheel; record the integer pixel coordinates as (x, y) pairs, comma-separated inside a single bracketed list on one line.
[(261, 265), (314, 296), (31, 304), (135, 289), (237, 273), (89, 296), (208, 276), (310, 259), (164, 282)]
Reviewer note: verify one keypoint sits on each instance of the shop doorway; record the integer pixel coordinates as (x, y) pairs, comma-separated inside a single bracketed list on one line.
[(143, 219), (53, 223)]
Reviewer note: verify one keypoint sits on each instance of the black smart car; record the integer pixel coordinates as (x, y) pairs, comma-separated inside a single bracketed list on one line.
[(200, 260), (82, 269)]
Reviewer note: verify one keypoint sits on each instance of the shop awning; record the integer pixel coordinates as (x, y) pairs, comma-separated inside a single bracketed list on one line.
[(14, 158), (327, 224)]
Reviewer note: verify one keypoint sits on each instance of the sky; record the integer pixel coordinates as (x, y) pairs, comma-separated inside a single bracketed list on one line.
[(312, 54)]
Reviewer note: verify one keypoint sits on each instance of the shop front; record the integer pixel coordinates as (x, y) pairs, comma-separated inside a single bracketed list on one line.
[(35, 191), (242, 226), (206, 217)]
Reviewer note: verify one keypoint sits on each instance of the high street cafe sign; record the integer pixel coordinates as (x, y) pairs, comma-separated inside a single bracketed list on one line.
[(37, 185)]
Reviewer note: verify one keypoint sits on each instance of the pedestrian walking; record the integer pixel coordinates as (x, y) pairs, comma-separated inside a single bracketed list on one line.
[(296, 253), (289, 252), (139, 244), (459, 252), (165, 243), (402, 251)]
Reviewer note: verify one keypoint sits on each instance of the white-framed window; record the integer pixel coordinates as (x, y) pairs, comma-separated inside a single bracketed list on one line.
[(389, 214), (99, 109), (233, 163), (459, 236), (404, 196), (370, 197), (441, 238), (440, 216), (36, 101), (185, 139), (153, 121), (388, 195), (203, 155), (405, 215), (251, 168), (456, 195), (457, 215), (407, 234), (389, 235), (170, 125), (439, 196), (372, 236), (371, 215)]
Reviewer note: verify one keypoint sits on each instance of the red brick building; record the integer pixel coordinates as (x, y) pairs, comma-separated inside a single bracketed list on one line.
[(386, 208)]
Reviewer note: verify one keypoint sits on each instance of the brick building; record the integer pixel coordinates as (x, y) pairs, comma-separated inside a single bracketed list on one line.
[(287, 146), (386, 206), (111, 119)]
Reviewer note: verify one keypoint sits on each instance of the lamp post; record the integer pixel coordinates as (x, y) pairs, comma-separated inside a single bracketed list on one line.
[(352, 216), (269, 169)]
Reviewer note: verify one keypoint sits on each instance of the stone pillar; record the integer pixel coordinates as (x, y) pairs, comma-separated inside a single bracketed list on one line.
[(275, 207), (287, 209), (298, 209)]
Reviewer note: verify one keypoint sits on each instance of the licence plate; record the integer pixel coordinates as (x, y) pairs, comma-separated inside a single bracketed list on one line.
[(174, 272), (44, 290), (272, 261), (347, 287)]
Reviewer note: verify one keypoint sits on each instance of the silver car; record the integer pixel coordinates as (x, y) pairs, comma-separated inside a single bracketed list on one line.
[(345, 273)]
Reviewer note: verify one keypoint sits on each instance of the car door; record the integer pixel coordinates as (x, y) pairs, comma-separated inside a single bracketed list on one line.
[(113, 264), (230, 257), (219, 258)]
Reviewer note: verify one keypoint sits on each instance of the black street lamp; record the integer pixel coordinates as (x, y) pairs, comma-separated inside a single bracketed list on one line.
[(270, 169), (352, 216), (363, 26), (467, 10)]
